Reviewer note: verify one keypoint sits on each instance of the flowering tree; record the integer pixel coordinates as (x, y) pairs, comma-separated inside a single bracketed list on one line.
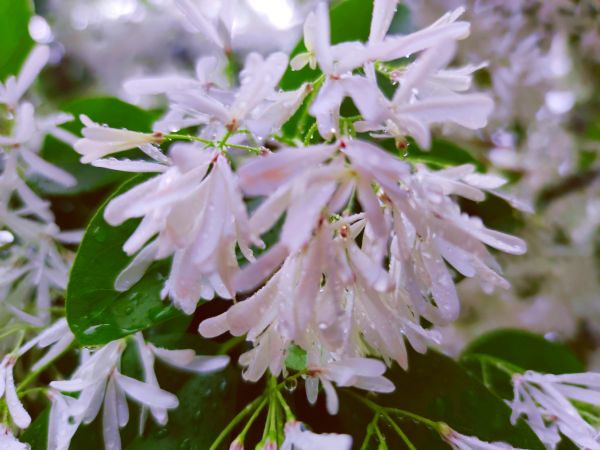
[(273, 257)]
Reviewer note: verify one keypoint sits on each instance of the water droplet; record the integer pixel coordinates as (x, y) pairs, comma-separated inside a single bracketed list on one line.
[(6, 237), (290, 385)]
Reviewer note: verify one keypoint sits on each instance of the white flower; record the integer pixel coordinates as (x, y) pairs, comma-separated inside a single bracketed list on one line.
[(297, 437), (9, 442), (219, 30), (14, 88), (258, 80), (545, 401), (460, 441), (426, 96), (310, 36), (100, 140), (198, 215), (361, 373), (18, 414), (100, 384), (182, 359)]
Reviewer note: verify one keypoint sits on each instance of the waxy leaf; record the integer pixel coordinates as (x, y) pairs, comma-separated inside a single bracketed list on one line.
[(98, 314)]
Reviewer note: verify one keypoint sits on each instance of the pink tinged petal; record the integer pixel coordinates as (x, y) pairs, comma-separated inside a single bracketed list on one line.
[(331, 397), (367, 97), (303, 215), (321, 38), (253, 274), (117, 210), (501, 241), (589, 379), (214, 326), (178, 358), (326, 107), (302, 439), (188, 157), (255, 313), (146, 394), (374, 275), (126, 165), (401, 46), (3, 376), (207, 364), (374, 384), (90, 400), (485, 181), (373, 209), (362, 366), (61, 424), (122, 408), (110, 419), (19, 415), (312, 389), (580, 394), (184, 284), (33, 65), (383, 13), (342, 196), (460, 259), (160, 85), (443, 289), (47, 170), (468, 110), (202, 103), (54, 352), (299, 61), (202, 25), (426, 65), (264, 174), (414, 127), (147, 228), (258, 83), (135, 270)]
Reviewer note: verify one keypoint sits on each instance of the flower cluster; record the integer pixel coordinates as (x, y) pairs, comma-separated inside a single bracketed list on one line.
[(341, 283), (35, 264), (546, 401)]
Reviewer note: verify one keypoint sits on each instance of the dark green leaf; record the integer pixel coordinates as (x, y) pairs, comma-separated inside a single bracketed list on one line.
[(207, 403), (96, 312), (15, 41), (437, 388), (526, 350)]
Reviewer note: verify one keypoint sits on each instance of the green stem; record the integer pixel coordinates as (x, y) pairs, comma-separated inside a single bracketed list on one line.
[(370, 432), (254, 150), (506, 367), (252, 419), (289, 415), (186, 137), (401, 412), (399, 431), (236, 420)]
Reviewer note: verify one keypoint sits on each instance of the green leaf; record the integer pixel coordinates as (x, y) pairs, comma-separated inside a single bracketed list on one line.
[(526, 350), (98, 314), (296, 358), (15, 42), (441, 154), (37, 433), (207, 403), (106, 110), (437, 388)]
